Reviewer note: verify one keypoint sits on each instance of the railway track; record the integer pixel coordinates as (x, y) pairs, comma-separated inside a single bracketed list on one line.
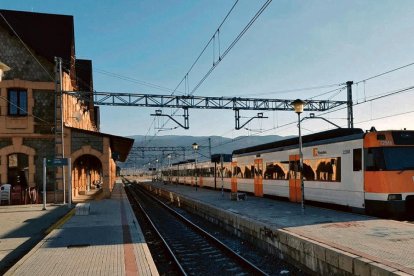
[(194, 251)]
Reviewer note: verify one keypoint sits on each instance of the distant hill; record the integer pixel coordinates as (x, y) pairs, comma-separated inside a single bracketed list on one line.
[(218, 145)]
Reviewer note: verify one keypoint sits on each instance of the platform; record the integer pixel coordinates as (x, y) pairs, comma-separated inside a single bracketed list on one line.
[(107, 241), (323, 241), (22, 227)]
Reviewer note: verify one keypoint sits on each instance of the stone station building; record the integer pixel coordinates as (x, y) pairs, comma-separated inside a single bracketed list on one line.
[(29, 43)]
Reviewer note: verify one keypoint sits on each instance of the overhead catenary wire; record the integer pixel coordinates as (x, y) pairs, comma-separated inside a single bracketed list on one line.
[(386, 117), (291, 90), (265, 5), (185, 78), (373, 98), (122, 77), (26, 111), (385, 73), (377, 97), (206, 46)]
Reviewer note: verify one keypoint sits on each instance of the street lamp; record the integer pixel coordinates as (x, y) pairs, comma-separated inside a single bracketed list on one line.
[(298, 107), (195, 148)]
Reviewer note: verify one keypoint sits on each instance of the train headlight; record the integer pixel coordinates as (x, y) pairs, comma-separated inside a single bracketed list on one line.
[(394, 197)]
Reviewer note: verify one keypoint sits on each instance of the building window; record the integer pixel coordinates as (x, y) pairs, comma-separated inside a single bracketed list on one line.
[(17, 102)]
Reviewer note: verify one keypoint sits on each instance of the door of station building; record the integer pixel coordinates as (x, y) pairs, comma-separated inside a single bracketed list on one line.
[(233, 177), (295, 190), (258, 177)]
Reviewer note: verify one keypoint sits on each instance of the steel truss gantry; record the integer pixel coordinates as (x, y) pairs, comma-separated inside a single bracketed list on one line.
[(140, 152), (201, 102)]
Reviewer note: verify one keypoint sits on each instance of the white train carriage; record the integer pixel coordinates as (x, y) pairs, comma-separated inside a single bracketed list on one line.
[(371, 172), (273, 169)]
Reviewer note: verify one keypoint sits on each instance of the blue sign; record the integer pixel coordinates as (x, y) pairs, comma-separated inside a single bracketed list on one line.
[(56, 162)]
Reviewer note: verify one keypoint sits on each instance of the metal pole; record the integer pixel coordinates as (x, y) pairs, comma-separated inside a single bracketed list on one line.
[(178, 174), (222, 172), (44, 183), (57, 87), (302, 185), (349, 104), (209, 147), (63, 131), (69, 182), (169, 169), (196, 169)]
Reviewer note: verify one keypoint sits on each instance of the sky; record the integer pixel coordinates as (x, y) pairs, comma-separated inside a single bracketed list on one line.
[(293, 44)]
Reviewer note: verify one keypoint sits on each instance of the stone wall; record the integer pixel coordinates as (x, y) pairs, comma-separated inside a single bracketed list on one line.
[(23, 66), (80, 139), (43, 111), (44, 148)]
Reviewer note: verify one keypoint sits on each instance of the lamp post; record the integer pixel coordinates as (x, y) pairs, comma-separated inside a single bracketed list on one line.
[(169, 168), (298, 106), (195, 148), (156, 170)]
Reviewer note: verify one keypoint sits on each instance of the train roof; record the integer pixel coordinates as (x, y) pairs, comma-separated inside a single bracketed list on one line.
[(184, 162), (320, 136)]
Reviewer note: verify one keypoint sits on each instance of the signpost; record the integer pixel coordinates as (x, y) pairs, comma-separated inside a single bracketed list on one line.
[(57, 162)]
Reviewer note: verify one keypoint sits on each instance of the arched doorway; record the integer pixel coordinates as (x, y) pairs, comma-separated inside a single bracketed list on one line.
[(18, 175), (86, 175)]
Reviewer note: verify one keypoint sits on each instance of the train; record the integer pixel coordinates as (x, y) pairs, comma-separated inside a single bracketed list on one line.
[(369, 172)]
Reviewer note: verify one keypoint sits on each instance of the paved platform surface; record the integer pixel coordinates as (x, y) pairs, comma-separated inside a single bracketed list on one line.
[(383, 241), (108, 241), (22, 227)]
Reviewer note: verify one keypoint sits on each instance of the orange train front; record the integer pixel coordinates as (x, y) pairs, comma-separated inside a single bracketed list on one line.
[(389, 172)]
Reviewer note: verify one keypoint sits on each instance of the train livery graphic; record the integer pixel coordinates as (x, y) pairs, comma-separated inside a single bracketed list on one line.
[(370, 172)]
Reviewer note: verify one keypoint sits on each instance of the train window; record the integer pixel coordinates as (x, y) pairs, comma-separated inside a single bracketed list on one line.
[(399, 158), (321, 169), (374, 159), (403, 137), (381, 137), (276, 170), (248, 171), (357, 159), (237, 172)]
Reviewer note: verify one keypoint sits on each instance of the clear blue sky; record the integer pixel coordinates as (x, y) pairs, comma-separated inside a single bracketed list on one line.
[(293, 44)]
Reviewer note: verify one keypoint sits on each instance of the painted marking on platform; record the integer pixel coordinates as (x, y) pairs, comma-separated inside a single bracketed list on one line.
[(60, 222), (129, 255)]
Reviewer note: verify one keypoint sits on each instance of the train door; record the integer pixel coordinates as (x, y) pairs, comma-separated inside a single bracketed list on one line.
[(233, 177), (258, 177), (295, 192)]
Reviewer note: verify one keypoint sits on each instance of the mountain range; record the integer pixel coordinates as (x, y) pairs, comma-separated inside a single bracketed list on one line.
[(219, 144)]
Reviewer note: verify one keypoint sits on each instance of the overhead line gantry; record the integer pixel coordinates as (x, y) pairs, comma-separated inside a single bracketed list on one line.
[(186, 102)]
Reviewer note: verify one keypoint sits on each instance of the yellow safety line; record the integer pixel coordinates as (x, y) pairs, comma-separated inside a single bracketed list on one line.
[(61, 221)]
